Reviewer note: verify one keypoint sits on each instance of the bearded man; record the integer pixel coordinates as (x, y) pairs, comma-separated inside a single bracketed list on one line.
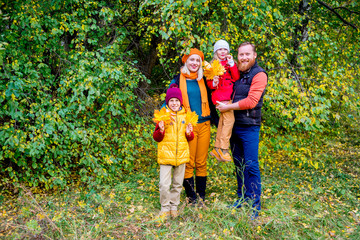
[(247, 101)]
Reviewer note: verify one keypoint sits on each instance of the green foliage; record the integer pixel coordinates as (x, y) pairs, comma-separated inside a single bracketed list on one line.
[(74, 75), (69, 109)]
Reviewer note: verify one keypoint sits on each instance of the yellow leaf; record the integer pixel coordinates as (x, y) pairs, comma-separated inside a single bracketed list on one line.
[(213, 69), (162, 115), (101, 210), (192, 117), (81, 204)]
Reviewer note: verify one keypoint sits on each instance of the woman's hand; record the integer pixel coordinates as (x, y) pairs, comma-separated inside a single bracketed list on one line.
[(189, 129), (162, 126)]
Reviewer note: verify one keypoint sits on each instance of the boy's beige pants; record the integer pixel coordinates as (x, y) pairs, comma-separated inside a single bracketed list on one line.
[(170, 198), (225, 126)]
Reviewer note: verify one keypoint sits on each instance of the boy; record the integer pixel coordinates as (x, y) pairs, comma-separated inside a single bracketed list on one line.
[(173, 152)]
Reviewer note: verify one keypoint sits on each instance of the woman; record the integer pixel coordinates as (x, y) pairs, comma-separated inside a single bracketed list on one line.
[(196, 97)]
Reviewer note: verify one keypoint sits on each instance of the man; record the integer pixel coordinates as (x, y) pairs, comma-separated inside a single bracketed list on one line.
[(247, 101)]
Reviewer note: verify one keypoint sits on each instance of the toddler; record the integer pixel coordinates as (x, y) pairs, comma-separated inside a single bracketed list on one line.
[(222, 87)]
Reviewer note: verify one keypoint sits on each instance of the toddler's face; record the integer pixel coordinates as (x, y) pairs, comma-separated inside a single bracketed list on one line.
[(222, 53), (174, 104)]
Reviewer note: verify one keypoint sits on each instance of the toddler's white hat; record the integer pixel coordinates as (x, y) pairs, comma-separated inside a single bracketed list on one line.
[(221, 44)]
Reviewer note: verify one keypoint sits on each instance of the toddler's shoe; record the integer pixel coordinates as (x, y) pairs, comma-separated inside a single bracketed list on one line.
[(225, 156), (216, 154)]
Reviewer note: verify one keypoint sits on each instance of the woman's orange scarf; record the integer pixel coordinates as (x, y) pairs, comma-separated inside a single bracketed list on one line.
[(205, 109)]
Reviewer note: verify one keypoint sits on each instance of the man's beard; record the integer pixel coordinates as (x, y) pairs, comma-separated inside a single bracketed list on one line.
[(244, 66)]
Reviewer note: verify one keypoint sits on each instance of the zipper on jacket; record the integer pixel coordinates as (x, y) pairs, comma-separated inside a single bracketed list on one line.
[(177, 138)]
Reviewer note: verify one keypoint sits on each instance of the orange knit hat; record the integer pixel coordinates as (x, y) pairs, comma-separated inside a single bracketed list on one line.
[(193, 51)]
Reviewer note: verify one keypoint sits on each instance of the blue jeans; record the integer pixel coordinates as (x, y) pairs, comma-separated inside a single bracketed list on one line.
[(244, 144)]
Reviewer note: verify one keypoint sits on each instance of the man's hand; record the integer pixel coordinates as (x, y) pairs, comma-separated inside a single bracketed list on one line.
[(222, 107)]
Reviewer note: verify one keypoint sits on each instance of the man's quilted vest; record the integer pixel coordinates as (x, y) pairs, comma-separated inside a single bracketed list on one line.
[(174, 148), (241, 91)]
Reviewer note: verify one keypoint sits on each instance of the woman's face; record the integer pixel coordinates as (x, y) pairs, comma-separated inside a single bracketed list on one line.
[(193, 63)]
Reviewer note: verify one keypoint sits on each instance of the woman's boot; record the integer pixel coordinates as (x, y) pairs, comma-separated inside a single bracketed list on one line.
[(201, 186), (190, 190)]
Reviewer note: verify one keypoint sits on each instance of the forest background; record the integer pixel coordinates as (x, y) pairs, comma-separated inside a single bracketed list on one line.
[(79, 82)]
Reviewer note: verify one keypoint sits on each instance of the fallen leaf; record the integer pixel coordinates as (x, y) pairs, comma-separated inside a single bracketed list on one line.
[(332, 233)]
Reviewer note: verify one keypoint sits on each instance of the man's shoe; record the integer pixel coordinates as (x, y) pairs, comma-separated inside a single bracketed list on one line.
[(236, 204), (254, 215)]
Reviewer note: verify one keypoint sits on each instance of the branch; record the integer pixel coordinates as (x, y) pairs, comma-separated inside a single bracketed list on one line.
[(337, 14), (351, 11), (39, 208)]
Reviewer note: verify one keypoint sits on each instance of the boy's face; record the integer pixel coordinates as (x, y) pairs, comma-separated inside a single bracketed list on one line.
[(174, 104)]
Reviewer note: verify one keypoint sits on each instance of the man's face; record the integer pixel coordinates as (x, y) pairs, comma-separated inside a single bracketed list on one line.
[(246, 57)]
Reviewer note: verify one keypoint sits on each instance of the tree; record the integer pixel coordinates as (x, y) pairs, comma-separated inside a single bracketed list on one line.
[(76, 76)]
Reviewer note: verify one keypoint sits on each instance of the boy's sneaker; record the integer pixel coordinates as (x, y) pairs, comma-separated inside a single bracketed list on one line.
[(174, 213), (162, 216), (216, 154), (225, 156)]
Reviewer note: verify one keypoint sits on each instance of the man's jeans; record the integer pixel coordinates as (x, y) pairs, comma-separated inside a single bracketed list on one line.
[(245, 148)]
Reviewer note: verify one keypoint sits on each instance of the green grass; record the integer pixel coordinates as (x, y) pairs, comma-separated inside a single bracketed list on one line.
[(297, 203)]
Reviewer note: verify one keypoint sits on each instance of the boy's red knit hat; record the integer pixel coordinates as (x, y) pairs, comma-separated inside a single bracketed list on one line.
[(173, 92), (193, 51)]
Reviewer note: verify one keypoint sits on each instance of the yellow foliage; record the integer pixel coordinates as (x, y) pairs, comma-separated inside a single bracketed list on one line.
[(192, 117), (162, 115), (213, 69)]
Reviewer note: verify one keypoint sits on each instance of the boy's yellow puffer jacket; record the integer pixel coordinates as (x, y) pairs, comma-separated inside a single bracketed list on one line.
[(174, 148)]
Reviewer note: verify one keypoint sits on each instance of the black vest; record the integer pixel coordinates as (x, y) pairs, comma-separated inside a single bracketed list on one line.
[(241, 91)]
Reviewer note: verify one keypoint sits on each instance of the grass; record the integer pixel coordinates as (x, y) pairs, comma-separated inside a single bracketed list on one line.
[(297, 203)]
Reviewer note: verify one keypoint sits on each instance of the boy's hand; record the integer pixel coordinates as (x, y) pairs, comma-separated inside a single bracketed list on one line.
[(215, 81), (189, 129), (162, 126)]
